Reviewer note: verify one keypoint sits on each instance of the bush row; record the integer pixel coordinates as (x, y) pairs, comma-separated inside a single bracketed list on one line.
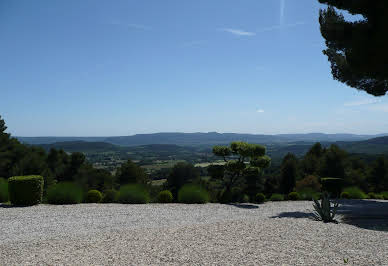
[(28, 190)]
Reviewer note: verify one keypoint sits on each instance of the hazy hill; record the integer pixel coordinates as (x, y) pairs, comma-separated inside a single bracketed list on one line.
[(202, 139), (81, 146)]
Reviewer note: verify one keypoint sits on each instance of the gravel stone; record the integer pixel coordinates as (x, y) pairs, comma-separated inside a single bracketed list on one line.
[(274, 233)]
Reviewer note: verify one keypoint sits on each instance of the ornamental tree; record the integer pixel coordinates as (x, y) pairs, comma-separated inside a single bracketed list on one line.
[(240, 159)]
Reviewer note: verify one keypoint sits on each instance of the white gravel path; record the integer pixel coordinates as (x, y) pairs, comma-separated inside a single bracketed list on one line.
[(275, 233)]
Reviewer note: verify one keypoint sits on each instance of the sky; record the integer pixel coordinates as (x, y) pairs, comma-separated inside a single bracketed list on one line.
[(116, 68)]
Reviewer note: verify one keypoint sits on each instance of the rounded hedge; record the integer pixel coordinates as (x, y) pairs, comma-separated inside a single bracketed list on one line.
[(3, 190), (165, 196), (110, 196), (371, 195), (276, 197), (94, 196), (260, 198), (25, 190), (309, 194), (64, 193), (193, 194), (293, 196), (345, 195), (134, 194)]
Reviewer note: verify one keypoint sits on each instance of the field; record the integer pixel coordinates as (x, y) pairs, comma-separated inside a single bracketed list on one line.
[(275, 233)]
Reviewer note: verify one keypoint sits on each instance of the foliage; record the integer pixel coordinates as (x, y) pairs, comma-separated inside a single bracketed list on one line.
[(378, 177), (131, 173), (3, 190), (355, 193), (293, 196), (192, 194), (181, 174), (385, 195), (134, 194), (244, 198), (309, 194), (109, 196), (309, 182), (260, 198), (64, 193), (332, 185), (355, 48), (25, 190), (324, 211), (333, 162), (165, 196), (288, 173), (276, 197), (93, 196), (345, 195)]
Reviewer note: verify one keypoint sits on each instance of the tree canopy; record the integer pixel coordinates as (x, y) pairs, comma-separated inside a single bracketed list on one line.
[(357, 49)]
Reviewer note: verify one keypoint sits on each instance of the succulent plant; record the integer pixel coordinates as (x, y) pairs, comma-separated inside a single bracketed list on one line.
[(324, 211)]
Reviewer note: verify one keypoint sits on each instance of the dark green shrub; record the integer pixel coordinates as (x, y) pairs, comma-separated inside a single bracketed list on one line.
[(165, 196), (134, 194), (94, 196), (276, 197), (3, 190), (192, 194), (345, 195), (379, 196), (226, 196), (64, 193), (355, 193), (110, 196), (260, 198), (309, 194), (293, 196), (385, 195), (245, 198), (371, 195), (332, 185), (25, 190)]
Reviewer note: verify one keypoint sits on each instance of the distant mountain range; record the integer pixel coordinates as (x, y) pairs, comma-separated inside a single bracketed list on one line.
[(203, 139)]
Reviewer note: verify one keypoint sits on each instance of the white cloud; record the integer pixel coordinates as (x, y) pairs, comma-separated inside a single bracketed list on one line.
[(360, 102), (280, 27), (260, 111), (239, 32)]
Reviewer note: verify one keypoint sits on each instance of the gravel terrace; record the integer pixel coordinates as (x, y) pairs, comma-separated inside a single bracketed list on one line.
[(275, 233)]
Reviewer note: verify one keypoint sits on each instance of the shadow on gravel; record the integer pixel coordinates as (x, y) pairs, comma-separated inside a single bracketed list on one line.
[(293, 215), (8, 206), (244, 205), (366, 214)]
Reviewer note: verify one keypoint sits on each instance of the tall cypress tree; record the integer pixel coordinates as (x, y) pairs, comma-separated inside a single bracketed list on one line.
[(357, 50)]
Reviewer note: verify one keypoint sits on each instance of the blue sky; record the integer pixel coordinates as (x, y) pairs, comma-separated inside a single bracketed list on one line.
[(107, 68)]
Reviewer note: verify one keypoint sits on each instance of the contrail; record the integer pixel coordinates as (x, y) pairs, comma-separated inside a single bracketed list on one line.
[(282, 10)]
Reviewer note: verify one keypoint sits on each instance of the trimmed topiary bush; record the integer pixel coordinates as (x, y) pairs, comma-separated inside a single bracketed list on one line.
[(94, 196), (192, 194), (332, 185), (345, 195), (110, 196), (25, 190), (165, 196), (134, 194), (3, 190), (293, 196), (64, 193), (276, 197), (260, 198), (355, 193)]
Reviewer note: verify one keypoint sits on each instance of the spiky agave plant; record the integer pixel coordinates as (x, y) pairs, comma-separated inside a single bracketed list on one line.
[(324, 211)]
